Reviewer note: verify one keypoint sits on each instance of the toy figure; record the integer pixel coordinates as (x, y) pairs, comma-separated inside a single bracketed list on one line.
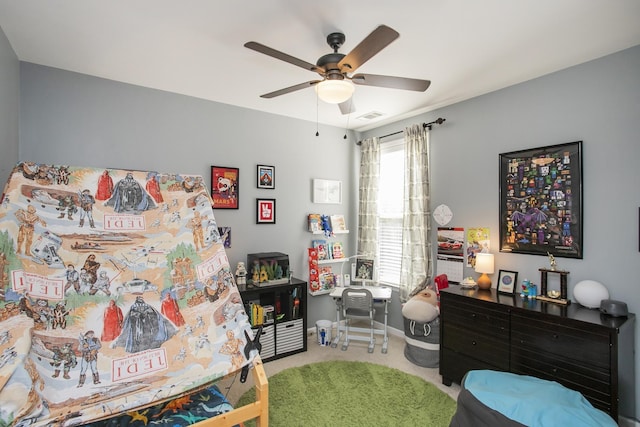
[(255, 272), (264, 276), (552, 261), (241, 274)]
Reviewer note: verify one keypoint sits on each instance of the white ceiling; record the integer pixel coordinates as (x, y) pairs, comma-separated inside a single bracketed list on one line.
[(195, 47)]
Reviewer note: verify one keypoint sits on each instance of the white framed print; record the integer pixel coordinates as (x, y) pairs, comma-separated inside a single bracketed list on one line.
[(327, 191), (507, 281)]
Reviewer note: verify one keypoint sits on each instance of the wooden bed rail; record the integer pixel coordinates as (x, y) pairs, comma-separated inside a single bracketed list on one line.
[(258, 409)]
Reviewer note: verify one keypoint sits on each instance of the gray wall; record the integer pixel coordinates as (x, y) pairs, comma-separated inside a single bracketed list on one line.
[(598, 103), (75, 119), (9, 107)]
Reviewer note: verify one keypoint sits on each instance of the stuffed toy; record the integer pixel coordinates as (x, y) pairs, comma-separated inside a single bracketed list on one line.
[(422, 307)]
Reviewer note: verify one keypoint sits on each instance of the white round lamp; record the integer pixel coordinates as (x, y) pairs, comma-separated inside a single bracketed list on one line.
[(589, 293)]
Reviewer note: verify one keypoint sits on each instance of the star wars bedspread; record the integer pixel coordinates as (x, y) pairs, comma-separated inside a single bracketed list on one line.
[(115, 292)]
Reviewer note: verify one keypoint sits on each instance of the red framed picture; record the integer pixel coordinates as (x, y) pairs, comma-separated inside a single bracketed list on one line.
[(265, 211), (225, 184)]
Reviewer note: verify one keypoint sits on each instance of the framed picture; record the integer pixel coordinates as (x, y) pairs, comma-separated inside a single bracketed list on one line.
[(225, 184), (507, 281), (541, 201), (266, 177), (364, 271), (225, 236), (265, 211), (327, 191)]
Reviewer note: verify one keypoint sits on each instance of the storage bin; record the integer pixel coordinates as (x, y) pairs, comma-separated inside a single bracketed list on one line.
[(422, 342), (323, 330)]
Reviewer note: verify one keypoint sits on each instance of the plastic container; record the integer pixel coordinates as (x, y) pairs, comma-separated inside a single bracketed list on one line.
[(323, 330)]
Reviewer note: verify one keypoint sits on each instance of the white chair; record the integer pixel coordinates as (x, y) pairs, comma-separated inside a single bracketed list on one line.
[(357, 303)]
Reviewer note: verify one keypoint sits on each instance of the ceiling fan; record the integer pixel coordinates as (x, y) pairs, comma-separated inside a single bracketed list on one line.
[(336, 69)]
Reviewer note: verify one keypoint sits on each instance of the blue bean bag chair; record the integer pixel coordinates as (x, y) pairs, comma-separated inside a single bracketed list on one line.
[(492, 398)]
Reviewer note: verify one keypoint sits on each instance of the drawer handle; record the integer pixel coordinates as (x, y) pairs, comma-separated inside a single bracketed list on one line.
[(555, 336), (289, 326), (473, 342)]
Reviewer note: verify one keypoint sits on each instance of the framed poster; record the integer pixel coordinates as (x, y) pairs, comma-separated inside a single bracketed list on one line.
[(541, 201), (507, 281), (266, 177), (327, 191), (225, 187), (265, 211)]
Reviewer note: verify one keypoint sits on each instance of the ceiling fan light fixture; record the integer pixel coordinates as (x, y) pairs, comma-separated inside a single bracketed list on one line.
[(334, 91)]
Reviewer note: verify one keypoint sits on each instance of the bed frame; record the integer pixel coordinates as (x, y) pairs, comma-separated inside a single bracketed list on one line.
[(258, 409)]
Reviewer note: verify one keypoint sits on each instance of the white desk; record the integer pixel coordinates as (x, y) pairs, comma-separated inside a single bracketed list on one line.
[(379, 293)]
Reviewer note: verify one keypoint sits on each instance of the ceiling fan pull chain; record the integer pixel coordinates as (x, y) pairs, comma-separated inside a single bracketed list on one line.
[(317, 101)]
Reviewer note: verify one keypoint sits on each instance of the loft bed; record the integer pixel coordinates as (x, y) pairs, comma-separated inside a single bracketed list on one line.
[(116, 297)]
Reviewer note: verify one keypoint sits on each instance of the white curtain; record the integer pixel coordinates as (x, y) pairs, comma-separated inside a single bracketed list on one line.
[(416, 265), (368, 200)]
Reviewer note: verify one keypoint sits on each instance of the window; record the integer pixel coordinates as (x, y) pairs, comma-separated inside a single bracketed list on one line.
[(390, 204)]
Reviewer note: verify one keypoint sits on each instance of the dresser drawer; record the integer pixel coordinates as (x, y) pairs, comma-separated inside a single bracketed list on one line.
[(489, 320), (594, 383), (583, 347), (486, 348)]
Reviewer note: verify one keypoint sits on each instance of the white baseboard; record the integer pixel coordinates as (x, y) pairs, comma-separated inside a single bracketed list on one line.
[(627, 422)]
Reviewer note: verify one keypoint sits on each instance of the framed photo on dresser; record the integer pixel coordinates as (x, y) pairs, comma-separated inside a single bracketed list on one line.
[(507, 281)]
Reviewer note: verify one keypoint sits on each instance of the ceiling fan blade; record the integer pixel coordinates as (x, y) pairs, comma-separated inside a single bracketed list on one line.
[(391, 82), (347, 107), (290, 89), (281, 56), (380, 38)]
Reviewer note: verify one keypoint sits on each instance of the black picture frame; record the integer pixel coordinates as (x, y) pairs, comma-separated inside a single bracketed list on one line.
[(266, 177), (225, 187), (265, 211), (541, 201), (507, 282)]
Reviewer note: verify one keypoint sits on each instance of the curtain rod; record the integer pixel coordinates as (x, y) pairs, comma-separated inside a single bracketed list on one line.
[(437, 121)]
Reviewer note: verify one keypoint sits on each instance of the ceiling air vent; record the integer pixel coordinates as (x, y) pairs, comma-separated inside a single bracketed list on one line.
[(371, 115)]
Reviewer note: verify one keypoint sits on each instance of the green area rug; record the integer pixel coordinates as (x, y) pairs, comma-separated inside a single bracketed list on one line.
[(353, 394)]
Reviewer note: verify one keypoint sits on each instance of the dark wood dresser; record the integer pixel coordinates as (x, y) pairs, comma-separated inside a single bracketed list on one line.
[(578, 347)]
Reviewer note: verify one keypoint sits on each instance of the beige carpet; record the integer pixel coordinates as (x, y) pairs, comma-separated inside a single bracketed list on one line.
[(357, 351)]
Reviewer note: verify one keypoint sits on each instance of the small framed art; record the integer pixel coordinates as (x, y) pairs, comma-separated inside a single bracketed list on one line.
[(225, 187), (327, 191), (266, 177), (507, 281), (265, 211)]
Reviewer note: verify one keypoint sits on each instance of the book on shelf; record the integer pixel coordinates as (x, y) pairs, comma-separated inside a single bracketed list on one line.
[(337, 223), (325, 270), (336, 250), (320, 246), (315, 222), (327, 281)]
